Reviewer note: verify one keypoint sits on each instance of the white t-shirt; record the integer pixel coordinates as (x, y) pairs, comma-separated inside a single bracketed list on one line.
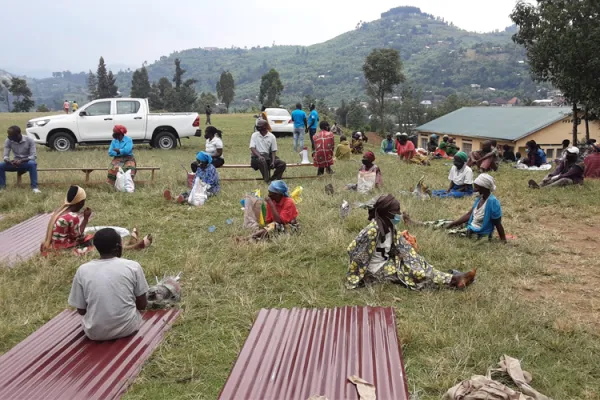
[(107, 290), (478, 215), (381, 253), (263, 144), (464, 176), (212, 145)]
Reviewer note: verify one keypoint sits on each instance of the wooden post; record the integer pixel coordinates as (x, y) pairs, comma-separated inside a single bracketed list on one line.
[(87, 175), (152, 178)]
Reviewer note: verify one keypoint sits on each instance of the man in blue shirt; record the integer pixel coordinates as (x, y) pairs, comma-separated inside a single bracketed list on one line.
[(313, 123), (300, 127)]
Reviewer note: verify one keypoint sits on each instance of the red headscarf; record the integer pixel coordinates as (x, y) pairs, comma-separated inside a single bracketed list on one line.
[(369, 156), (120, 129)]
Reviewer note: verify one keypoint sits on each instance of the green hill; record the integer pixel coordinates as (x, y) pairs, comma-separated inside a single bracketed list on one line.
[(438, 57)]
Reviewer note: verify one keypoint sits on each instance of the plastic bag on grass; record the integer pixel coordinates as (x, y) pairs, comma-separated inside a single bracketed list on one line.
[(124, 181)]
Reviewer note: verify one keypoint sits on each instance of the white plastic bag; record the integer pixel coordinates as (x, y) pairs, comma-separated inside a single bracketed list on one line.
[(366, 181), (199, 193), (124, 181)]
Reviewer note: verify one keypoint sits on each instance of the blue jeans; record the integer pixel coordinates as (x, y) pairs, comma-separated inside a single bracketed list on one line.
[(298, 139), (29, 166)]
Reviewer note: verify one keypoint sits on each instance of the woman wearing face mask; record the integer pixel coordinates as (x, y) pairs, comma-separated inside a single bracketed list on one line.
[(570, 171), (281, 212), (214, 145), (380, 253), (460, 177), (482, 219), (206, 172), (368, 165), (121, 149)]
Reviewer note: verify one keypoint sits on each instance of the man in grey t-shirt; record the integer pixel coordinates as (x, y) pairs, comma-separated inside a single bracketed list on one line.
[(110, 291), (263, 146)]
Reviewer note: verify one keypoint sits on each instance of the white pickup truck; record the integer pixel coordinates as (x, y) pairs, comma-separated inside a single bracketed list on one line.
[(93, 124)]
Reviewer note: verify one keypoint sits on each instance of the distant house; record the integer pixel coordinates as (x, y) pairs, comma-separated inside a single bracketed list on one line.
[(491, 89), (475, 86), (543, 103), (499, 101), (470, 126), (513, 102), (426, 103)]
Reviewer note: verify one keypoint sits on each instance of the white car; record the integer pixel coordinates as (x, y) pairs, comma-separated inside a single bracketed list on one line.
[(280, 121), (93, 124)]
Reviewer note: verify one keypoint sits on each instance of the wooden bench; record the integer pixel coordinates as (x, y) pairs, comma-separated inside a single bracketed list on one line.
[(86, 171), (242, 166)]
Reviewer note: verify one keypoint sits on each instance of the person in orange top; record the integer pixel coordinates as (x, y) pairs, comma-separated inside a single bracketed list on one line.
[(324, 146), (404, 147), (281, 212)]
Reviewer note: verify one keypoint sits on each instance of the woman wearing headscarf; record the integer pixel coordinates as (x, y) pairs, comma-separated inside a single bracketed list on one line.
[(343, 150), (121, 149), (570, 171), (481, 220), (214, 145), (324, 143), (281, 212), (66, 228), (380, 253), (460, 177), (206, 172), (368, 168), (357, 143)]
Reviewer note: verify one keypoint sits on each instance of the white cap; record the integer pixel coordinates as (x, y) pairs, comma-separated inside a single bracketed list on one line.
[(573, 150)]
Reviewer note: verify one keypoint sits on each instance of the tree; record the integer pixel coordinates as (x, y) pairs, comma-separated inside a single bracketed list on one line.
[(103, 87), (4, 92), (92, 83), (357, 115), (270, 89), (226, 88), (42, 108), (140, 83), (205, 99), (341, 113), (22, 94), (113, 90), (562, 42), (177, 78), (383, 71), (183, 96)]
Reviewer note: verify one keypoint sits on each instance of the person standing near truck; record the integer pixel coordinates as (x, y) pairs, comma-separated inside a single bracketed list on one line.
[(66, 106), (300, 127), (75, 106), (313, 123), (208, 113)]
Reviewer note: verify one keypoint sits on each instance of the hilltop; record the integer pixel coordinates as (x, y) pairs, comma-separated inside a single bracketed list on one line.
[(438, 57)]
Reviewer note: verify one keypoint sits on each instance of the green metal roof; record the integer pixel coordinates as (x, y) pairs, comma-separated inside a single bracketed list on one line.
[(508, 123)]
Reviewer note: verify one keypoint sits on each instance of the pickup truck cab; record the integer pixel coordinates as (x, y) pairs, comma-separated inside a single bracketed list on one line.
[(93, 124)]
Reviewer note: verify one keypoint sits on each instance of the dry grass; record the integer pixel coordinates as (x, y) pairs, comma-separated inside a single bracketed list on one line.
[(536, 299)]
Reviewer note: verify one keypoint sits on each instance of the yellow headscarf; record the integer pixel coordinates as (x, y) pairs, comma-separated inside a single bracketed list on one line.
[(80, 196)]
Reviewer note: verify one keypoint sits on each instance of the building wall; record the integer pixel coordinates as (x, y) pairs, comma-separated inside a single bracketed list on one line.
[(550, 138)]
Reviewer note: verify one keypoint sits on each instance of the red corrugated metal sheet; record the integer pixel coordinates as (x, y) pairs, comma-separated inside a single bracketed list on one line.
[(58, 362), (294, 354), (23, 240)]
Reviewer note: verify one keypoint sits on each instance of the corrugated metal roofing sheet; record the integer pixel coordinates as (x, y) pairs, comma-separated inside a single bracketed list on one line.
[(22, 241), (294, 354), (59, 362), (509, 123)]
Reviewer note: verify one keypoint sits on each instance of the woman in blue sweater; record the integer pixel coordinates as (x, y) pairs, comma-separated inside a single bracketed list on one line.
[(121, 149)]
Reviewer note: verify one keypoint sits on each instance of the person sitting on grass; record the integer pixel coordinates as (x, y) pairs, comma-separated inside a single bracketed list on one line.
[(563, 153), (535, 155), (592, 164), (388, 145), (486, 158), (343, 150), (368, 168), (407, 152), (121, 149), (109, 292), (432, 144), (357, 143), (380, 253), (452, 148), (263, 148), (570, 171), (66, 228), (508, 154), (460, 177), (206, 172), (281, 212), (324, 143), (25, 156), (481, 220), (214, 145), (336, 129)]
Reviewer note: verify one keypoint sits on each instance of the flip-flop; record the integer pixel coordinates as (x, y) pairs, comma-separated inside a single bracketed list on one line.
[(135, 233), (167, 195)]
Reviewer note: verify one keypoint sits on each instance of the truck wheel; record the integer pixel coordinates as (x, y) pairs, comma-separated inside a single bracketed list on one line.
[(165, 141), (62, 141)]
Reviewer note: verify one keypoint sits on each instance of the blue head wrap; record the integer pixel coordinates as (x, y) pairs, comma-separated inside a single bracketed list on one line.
[(279, 187), (203, 156)]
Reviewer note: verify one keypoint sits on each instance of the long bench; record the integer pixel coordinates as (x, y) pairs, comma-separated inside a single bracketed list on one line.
[(86, 171), (242, 166)]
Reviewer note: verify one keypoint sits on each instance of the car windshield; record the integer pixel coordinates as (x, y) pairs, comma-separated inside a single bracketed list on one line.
[(277, 112)]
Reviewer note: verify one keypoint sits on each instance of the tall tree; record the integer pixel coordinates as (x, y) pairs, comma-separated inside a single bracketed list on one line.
[(103, 90), (154, 98), (270, 89), (177, 78), (341, 113), (205, 99), (383, 71), (113, 90), (183, 96), (140, 83), (22, 95), (357, 115), (4, 92), (562, 40), (226, 88), (92, 82)]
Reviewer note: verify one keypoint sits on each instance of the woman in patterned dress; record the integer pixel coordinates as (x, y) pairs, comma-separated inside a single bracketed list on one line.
[(379, 253), (324, 148)]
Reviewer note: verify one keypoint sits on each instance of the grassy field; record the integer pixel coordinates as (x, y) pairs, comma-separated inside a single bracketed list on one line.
[(536, 299)]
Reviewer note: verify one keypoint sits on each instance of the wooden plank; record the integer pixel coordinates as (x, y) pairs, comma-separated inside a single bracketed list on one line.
[(232, 166), (285, 178), (93, 169)]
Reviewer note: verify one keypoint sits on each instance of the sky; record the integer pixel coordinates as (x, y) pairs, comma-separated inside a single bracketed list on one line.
[(65, 35)]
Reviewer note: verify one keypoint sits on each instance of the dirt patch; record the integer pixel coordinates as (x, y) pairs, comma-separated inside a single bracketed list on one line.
[(374, 138), (571, 279)]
